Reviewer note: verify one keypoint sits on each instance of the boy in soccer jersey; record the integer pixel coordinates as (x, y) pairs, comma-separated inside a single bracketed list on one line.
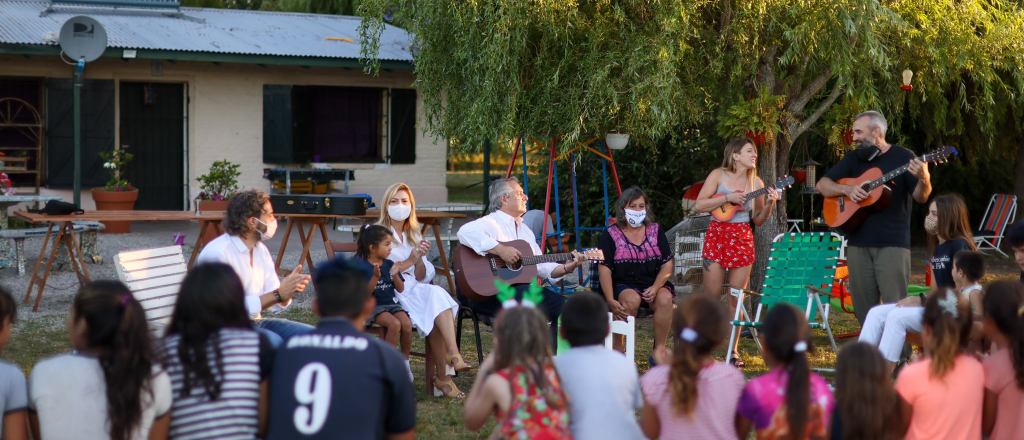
[(335, 382)]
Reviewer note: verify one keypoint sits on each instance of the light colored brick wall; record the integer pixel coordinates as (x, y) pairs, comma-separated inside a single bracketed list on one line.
[(226, 117)]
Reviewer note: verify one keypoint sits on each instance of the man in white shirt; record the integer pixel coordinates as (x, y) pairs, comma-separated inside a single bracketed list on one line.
[(249, 220), (505, 223)]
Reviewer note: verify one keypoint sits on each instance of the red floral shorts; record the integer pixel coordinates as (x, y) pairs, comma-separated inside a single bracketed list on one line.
[(730, 245)]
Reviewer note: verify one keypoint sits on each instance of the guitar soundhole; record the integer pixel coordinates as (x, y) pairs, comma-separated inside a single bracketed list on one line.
[(499, 263)]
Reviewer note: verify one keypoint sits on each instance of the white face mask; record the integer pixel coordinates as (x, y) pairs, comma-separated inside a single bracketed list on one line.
[(399, 212), (271, 229), (635, 218)]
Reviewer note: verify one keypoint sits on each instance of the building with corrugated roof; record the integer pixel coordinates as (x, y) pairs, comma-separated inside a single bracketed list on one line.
[(182, 87)]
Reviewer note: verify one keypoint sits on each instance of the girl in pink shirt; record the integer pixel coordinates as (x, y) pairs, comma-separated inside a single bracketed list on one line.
[(1003, 414), (941, 395), (693, 397), (789, 402)]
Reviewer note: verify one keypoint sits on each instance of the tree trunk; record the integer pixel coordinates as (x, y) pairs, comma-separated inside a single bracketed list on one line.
[(1018, 180), (772, 164)]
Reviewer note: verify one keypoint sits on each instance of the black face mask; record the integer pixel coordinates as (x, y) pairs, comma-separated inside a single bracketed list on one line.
[(867, 152)]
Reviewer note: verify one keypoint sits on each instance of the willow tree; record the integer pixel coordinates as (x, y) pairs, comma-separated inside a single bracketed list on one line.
[(492, 69)]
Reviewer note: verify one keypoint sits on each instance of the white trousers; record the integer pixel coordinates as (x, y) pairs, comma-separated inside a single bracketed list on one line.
[(887, 325)]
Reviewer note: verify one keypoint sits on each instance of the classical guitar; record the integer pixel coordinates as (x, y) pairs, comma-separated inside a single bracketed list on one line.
[(727, 211), (475, 274), (841, 212)]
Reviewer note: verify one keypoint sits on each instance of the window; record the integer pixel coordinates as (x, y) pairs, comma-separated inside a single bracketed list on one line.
[(338, 124)]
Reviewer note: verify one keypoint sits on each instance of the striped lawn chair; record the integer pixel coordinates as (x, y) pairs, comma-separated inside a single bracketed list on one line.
[(801, 271), (1001, 210)]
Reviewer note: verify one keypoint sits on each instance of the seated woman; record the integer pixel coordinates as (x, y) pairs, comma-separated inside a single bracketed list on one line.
[(637, 264), (430, 307), (949, 233)]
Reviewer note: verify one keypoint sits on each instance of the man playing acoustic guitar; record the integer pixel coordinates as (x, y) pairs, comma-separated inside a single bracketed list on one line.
[(505, 223), (879, 249)]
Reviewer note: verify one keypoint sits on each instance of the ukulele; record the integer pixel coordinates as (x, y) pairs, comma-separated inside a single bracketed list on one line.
[(842, 212), (475, 274), (727, 211)]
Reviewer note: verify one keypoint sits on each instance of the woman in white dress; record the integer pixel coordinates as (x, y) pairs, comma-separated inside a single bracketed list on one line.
[(430, 307)]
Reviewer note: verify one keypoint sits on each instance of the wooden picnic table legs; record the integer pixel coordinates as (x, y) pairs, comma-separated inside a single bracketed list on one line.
[(444, 255), (204, 226), (306, 238), (65, 236)]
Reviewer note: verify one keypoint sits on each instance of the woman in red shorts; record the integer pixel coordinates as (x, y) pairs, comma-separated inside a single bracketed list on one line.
[(729, 246)]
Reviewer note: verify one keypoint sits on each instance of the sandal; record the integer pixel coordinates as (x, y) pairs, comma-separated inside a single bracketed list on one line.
[(459, 366), (453, 391), (737, 362)]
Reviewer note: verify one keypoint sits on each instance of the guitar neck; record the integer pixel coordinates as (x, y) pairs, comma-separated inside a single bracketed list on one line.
[(895, 173), (546, 258)]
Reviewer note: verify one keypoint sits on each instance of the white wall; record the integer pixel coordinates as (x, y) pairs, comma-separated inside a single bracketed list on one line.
[(226, 117)]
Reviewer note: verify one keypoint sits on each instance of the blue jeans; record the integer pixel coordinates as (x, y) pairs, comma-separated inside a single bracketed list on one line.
[(277, 330)]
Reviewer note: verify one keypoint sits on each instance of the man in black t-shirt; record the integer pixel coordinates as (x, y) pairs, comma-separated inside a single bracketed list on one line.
[(335, 382), (879, 250)]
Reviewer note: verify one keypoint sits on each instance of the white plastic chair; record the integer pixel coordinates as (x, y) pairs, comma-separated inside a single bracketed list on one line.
[(154, 276), (628, 328)]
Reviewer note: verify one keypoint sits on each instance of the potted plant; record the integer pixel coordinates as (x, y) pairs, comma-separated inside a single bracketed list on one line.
[(799, 173), (118, 194), (6, 186), (757, 119), (218, 186)]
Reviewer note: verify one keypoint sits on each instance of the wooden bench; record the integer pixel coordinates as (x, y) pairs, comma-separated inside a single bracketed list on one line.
[(19, 236)]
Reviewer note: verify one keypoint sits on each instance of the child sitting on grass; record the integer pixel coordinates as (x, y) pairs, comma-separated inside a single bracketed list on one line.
[(374, 246), (13, 391), (693, 396), (602, 385)]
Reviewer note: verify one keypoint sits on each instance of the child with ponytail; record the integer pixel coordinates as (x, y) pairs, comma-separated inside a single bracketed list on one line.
[(789, 402), (374, 246), (941, 395), (1003, 304), (518, 382), (693, 397), (110, 387)]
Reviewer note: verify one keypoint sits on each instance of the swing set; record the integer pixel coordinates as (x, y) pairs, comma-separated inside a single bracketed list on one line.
[(607, 160)]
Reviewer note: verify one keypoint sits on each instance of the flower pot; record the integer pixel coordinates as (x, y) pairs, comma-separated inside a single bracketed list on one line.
[(115, 201), (799, 175), (616, 141), (212, 205), (847, 137), (759, 137)]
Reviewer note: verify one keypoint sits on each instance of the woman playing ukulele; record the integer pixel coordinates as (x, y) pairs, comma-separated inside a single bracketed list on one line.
[(730, 245)]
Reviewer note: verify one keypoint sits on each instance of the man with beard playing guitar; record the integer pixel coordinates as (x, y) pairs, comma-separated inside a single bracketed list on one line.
[(879, 249)]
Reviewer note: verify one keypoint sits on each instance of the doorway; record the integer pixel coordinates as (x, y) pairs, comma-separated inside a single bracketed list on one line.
[(153, 131)]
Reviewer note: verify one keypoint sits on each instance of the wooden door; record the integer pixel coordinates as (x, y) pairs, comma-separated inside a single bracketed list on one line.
[(153, 131)]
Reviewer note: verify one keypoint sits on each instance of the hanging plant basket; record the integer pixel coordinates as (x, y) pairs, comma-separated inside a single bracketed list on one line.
[(616, 141), (758, 136), (799, 174), (847, 137)]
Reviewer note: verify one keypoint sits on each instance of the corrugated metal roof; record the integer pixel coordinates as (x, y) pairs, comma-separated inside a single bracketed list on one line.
[(226, 31)]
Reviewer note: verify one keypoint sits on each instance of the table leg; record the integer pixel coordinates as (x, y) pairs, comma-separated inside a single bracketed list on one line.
[(444, 259), (307, 242), (49, 263), (76, 256), (284, 245), (39, 261), (327, 241), (203, 225)]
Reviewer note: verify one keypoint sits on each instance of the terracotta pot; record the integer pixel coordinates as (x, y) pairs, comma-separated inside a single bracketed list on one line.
[(211, 206), (115, 201), (759, 137), (847, 137), (799, 175)]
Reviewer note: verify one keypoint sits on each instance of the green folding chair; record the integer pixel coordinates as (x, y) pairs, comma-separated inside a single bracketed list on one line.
[(801, 270)]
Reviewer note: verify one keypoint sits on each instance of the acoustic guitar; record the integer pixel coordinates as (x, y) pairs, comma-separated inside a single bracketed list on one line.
[(841, 212), (727, 211), (475, 274)]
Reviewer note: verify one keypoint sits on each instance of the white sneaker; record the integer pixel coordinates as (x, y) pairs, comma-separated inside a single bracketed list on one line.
[(409, 366)]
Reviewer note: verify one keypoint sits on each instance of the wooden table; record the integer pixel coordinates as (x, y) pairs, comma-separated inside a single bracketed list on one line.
[(309, 223), (66, 236)]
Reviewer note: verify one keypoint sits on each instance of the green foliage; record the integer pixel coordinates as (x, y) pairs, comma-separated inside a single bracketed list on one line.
[(114, 162), (761, 114), (221, 182)]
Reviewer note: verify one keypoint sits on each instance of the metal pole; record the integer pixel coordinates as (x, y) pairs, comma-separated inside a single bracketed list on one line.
[(604, 180), (615, 174), (526, 186), (76, 93), (547, 198), (512, 162)]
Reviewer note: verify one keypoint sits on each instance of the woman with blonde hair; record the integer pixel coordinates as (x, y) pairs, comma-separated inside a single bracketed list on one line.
[(430, 307), (729, 246)]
